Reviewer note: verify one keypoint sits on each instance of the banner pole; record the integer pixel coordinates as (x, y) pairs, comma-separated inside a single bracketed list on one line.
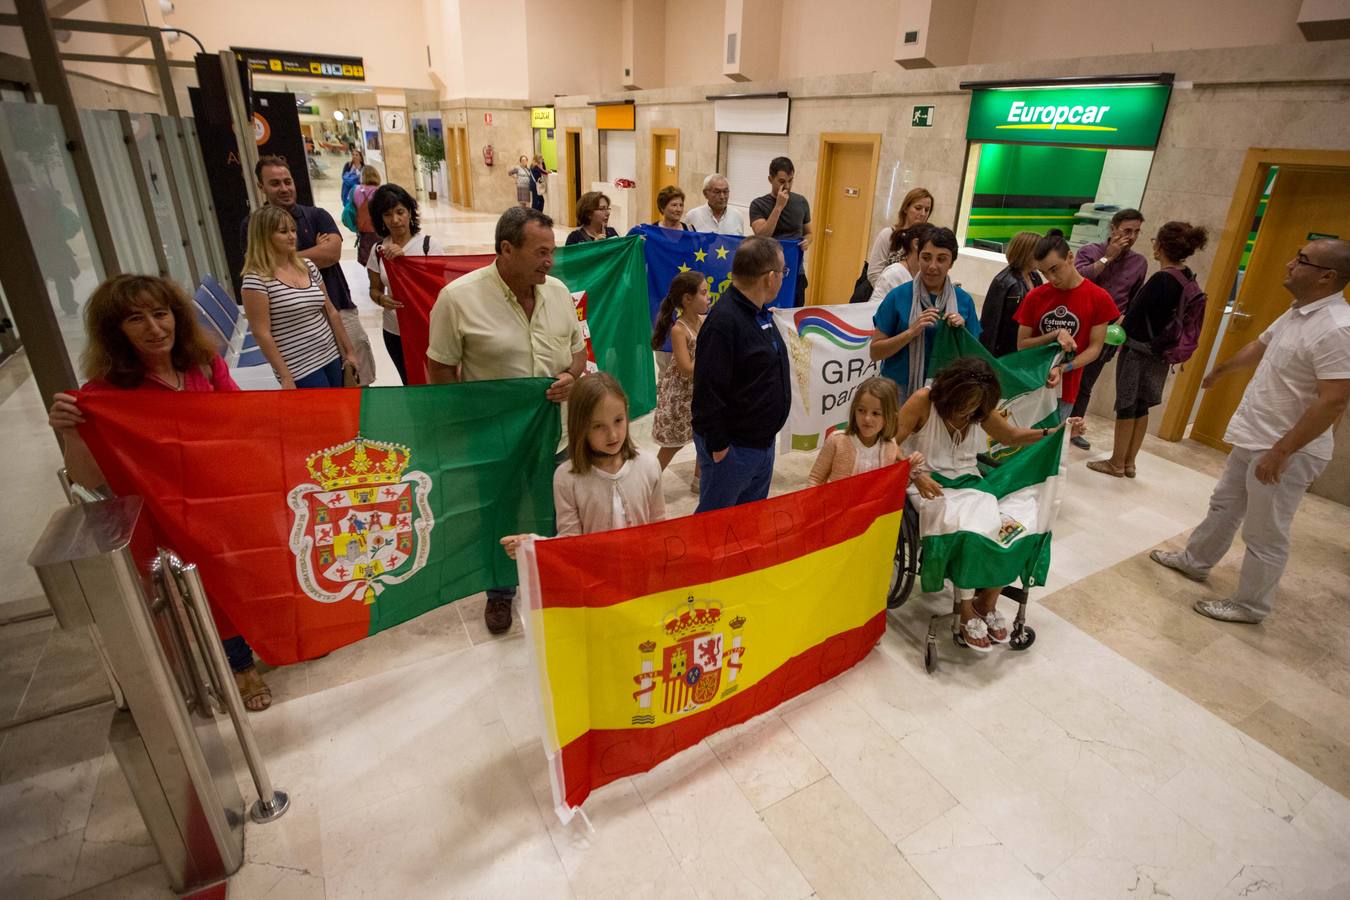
[(271, 804)]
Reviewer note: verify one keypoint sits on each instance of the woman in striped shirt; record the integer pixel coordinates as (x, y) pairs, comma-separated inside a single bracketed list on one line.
[(289, 312)]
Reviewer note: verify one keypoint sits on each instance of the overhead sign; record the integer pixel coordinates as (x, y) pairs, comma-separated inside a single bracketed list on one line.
[(1097, 115), (542, 117), (303, 65), (922, 117)]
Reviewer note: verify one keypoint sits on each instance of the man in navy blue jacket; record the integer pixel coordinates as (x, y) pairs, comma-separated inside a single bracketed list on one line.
[(741, 383)]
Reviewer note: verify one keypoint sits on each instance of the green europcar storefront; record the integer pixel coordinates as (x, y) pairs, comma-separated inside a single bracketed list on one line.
[(1062, 155)]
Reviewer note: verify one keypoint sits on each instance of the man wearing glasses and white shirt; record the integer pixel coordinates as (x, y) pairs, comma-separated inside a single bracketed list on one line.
[(1281, 433), (715, 216)]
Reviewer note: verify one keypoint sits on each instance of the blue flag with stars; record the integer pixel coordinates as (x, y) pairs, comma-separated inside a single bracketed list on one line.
[(668, 253)]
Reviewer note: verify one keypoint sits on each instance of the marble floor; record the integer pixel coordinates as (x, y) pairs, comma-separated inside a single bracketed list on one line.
[(1134, 750)]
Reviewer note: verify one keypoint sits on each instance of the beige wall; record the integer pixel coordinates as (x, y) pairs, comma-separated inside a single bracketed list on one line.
[(824, 38), (445, 43), (693, 46), (388, 37), (1003, 31), (509, 135), (493, 33), (573, 47)]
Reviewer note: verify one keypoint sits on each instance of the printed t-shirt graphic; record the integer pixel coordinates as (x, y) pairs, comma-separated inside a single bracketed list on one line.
[(1047, 308)]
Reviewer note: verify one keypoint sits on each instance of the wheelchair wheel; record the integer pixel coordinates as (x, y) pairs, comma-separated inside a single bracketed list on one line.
[(908, 553), (1022, 638)]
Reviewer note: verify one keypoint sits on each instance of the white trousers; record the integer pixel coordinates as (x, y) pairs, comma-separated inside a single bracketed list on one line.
[(365, 357), (1265, 512)]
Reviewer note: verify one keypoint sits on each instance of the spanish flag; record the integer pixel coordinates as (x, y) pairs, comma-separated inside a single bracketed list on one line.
[(646, 640)]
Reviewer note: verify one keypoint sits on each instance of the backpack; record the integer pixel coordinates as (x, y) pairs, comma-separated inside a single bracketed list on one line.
[(1181, 336)]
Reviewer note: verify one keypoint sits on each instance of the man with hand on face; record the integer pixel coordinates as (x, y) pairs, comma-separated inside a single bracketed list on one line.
[(905, 323), (783, 214), (316, 239), (1281, 434), (510, 319), (1113, 266), (715, 216)]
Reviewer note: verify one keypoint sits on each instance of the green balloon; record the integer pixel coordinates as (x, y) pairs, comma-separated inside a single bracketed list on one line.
[(1115, 335)]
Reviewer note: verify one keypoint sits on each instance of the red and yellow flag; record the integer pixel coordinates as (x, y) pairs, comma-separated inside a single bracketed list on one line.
[(646, 640)]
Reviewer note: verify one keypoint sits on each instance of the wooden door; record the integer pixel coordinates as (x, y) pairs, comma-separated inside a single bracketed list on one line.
[(574, 182), (843, 216), (452, 165), (463, 165), (1303, 202), (665, 164)]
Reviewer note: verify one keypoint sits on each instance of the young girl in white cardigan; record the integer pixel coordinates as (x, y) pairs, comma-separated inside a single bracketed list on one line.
[(605, 483), (868, 442)]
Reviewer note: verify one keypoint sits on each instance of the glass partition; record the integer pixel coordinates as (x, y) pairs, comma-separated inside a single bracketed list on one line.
[(187, 195), (43, 175), (117, 184), (217, 262), (161, 197)]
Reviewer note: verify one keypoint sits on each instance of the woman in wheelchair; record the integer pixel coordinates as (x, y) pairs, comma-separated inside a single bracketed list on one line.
[(949, 423)]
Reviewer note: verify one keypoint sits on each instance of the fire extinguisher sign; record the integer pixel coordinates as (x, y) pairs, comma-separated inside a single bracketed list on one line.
[(487, 118)]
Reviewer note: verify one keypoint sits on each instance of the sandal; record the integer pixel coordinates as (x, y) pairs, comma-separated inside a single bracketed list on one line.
[(255, 693), (1104, 466), (1129, 471), (997, 627), (975, 634)]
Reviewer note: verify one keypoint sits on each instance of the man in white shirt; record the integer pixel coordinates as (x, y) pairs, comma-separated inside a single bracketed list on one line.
[(1281, 433), (715, 217)]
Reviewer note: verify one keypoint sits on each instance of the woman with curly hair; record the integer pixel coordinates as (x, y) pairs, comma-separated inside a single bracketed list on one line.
[(144, 337)]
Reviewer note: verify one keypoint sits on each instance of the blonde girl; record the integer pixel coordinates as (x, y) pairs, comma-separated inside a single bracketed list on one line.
[(288, 309), (605, 483), (672, 426), (868, 442)]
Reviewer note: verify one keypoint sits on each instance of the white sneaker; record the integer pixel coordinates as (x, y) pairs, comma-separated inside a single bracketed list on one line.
[(1173, 562), (1225, 611)]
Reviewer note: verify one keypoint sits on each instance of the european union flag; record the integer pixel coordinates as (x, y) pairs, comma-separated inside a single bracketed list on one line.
[(669, 253)]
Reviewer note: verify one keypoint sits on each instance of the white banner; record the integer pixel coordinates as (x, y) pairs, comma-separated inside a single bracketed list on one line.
[(827, 351)]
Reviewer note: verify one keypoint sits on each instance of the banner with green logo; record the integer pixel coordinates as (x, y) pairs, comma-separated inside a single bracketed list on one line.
[(1100, 115)]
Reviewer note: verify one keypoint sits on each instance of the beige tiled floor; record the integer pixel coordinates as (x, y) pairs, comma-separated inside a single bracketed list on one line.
[(1134, 750)]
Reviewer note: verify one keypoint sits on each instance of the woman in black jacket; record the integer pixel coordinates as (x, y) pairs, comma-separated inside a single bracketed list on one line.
[(998, 330)]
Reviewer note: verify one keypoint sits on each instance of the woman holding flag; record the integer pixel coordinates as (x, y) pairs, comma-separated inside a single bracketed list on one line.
[(144, 337), (949, 423)]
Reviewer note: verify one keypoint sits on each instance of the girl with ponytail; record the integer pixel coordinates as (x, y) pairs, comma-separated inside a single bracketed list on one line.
[(672, 427)]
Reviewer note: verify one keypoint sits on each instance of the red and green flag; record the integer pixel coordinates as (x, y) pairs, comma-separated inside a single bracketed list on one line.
[(608, 281), (318, 517)]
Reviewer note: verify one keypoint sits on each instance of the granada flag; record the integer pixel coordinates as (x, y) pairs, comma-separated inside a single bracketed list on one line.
[(318, 517), (646, 640), (608, 281)]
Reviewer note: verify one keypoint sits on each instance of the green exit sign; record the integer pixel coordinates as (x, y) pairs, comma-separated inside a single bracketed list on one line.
[(922, 118)]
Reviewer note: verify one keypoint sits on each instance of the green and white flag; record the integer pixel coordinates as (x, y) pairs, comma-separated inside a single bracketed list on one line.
[(995, 530)]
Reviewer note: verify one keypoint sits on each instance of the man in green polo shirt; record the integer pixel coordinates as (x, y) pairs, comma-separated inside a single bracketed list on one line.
[(509, 320)]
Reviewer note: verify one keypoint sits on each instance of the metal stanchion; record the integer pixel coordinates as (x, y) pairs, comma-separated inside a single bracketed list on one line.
[(271, 804)]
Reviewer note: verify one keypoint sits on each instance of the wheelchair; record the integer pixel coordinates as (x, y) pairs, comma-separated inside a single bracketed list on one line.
[(906, 567)]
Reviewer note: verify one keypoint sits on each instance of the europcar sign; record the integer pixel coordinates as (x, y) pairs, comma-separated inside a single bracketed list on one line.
[(1099, 115)]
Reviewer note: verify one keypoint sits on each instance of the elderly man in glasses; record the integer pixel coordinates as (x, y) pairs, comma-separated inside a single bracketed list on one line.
[(1281, 433), (715, 216)]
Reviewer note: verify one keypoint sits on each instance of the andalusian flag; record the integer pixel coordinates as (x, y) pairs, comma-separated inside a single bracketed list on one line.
[(646, 640), (318, 517), (609, 289), (995, 530)]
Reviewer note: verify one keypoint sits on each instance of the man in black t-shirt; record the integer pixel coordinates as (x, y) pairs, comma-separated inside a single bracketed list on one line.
[(318, 240), (783, 214)]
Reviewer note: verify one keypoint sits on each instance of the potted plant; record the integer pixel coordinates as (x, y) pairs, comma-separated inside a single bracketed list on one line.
[(430, 150)]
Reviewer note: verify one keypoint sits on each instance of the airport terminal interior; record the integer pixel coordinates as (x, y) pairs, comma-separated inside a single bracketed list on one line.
[(1126, 745)]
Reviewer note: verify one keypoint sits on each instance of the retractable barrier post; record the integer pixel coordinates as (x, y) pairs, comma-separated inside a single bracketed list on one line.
[(92, 561)]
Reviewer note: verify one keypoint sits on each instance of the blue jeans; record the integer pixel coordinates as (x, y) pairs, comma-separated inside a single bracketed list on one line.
[(238, 652), (328, 376), (742, 476), (1065, 410)]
